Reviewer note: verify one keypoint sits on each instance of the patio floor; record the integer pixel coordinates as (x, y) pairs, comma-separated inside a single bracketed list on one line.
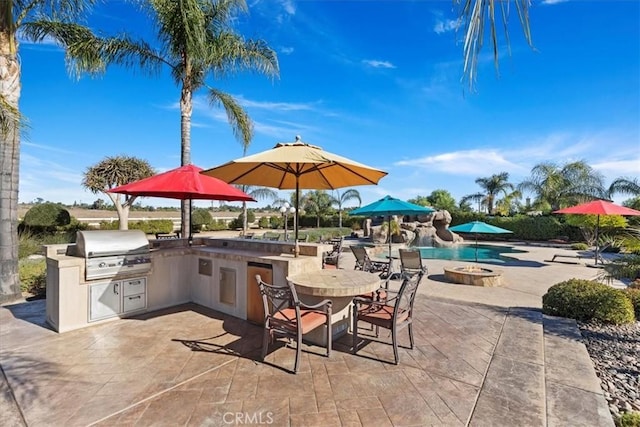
[(474, 364)]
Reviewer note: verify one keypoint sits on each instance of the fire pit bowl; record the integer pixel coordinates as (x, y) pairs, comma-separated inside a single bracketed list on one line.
[(474, 275)]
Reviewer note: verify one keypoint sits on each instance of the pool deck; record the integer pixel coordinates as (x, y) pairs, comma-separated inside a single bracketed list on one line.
[(483, 356)]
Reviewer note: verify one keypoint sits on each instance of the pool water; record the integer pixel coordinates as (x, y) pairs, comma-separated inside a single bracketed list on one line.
[(468, 253)]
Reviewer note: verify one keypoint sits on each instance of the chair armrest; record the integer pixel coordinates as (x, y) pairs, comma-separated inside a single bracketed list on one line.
[(368, 301)]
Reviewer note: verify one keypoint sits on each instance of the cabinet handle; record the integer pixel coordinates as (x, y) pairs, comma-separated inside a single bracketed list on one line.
[(136, 297), (115, 288)]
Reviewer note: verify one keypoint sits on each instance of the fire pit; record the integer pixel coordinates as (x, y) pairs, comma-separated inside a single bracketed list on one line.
[(474, 275)]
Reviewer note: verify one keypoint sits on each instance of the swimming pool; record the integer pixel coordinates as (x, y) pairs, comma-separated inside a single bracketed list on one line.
[(492, 253)]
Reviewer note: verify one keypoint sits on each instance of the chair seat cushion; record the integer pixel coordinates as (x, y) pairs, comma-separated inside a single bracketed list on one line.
[(311, 319), (380, 315)]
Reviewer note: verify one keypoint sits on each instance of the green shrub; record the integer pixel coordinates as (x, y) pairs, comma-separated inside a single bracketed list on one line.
[(33, 275), (628, 419), (47, 216), (218, 224), (587, 300), (579, 246), (109, 225), (200, 219), (28, 244), (263, 222), (634, 296), (31, 244), (276, 222), (148, 227)]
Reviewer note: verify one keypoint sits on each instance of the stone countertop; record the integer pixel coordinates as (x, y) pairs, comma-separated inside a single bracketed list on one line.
[(335, 283), (228, 253)]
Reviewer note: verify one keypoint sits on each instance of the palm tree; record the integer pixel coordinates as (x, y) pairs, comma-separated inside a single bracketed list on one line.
[(558, 186), (473, 19), (625, 185), (28, 19), (318, 203), (492, 186), (258, 193), (196, 40), (341, 198), (113, 172)]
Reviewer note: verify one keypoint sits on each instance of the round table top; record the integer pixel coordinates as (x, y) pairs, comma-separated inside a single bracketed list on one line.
[(335, 283)]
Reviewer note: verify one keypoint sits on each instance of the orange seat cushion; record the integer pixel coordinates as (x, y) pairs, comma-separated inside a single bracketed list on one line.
[(311, 319), (381, 315)]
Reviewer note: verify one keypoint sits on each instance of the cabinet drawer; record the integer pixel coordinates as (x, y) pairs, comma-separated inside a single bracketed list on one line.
[(134, 286), (134, 302)]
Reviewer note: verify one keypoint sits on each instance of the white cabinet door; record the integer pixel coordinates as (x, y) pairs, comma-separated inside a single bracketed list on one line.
[(104, 300)]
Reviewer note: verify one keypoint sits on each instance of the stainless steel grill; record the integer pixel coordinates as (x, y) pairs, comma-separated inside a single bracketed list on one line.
[(110, 253)]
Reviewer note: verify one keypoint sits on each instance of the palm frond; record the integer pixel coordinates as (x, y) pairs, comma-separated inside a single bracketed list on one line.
[(238, 118)]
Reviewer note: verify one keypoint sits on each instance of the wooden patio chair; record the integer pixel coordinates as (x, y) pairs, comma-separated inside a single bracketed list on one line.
[(286, 316), (394, 313)]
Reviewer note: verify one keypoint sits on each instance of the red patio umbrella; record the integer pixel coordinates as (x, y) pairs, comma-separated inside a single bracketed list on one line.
[(598, 207), (184, 183)]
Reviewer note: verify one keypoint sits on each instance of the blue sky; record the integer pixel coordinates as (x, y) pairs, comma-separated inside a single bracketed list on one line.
[(375, 81)]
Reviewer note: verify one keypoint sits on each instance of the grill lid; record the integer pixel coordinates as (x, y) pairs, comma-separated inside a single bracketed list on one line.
[(99, 243)]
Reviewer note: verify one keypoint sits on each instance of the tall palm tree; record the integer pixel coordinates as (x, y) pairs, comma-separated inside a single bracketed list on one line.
[(492, 186), (341, 198), (196, 40), (557, 186), (28, 18)]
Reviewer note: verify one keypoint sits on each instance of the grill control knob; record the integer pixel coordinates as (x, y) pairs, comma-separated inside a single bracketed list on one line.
[(102, 265)]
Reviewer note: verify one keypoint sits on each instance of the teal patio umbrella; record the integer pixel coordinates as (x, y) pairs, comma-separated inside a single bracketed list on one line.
[(388, 206), (478, 227)]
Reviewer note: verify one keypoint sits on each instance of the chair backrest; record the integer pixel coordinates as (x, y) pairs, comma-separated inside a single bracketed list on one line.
[(411, 261), (360, 252), (407, 295), (278, 302), (333, 257)]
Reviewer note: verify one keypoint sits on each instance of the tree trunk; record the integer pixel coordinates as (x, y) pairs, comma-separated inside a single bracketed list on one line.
[(122, 209), (245, 221), (340, 218), (186, 108), (10, 161)]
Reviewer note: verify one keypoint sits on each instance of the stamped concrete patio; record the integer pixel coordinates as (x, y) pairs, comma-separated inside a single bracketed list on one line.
[(483, 356)]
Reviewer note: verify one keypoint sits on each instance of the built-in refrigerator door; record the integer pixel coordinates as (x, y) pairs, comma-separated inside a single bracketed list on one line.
[(104, 300)]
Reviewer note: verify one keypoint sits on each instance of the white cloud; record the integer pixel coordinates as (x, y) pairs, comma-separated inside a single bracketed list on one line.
[(47, 148), (288, 6), (470, 162), (275, 106), (619, 168), (378, 64), (446, 26), (552, 2), (286, 50)]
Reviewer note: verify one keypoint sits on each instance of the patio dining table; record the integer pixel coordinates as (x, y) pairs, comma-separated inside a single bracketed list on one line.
[(340, 286)]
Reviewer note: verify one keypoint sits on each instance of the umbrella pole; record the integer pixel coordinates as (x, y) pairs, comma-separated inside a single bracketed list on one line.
[(190, 240), (296, 248), (476, 247), (597, 227)]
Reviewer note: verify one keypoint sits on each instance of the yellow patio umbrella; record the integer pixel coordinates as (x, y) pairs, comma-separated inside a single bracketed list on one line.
[(296, 165)]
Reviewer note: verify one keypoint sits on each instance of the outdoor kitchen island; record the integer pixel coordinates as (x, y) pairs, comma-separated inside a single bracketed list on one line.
[(215, 273)]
